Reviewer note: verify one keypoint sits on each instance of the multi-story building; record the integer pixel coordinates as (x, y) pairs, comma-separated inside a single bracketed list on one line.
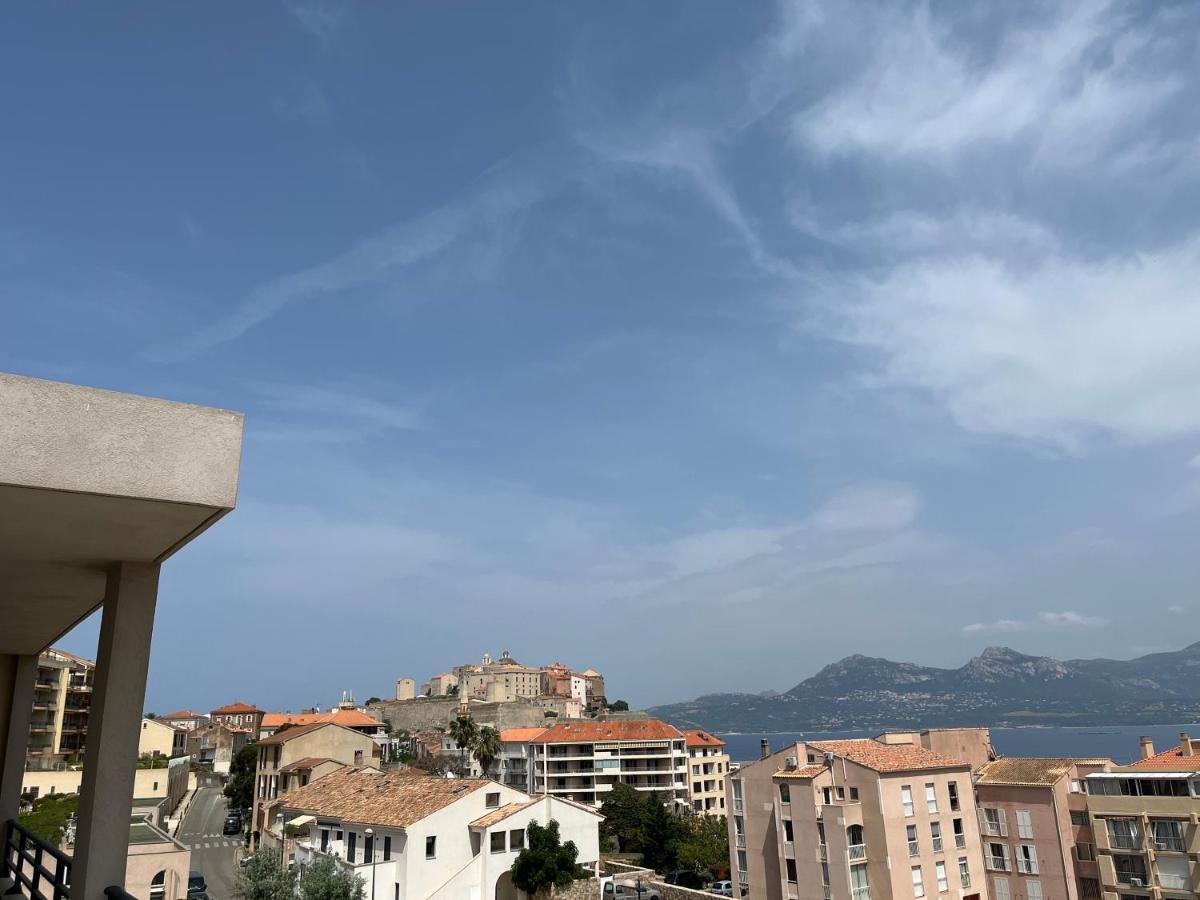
[(708, 767), (581, 761), (439, 685), (215, 744), (410, 835), (348, 718), (502, 680), (239, 715), (160, 739), (855, 820), (1146, 819), (1037, 835), (185, 719), (309, 745), (62, 699)]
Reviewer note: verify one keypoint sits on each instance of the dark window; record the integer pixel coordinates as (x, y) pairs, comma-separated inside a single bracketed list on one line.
[(491, 801), (369, 848), (431, 847), (853, 793), (953, 787), (791, 871), (387, 847), (785, 794), (788, 834), (1089, 888), (516, 839), (1079, 817), (324, 840), (337, 835), (827, 795), (497, 842), (351, 846)]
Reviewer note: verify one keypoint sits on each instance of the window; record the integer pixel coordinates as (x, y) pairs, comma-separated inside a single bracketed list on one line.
[(964, 872), (387, 847), (695, 787), (431, 847), (791, 871), (491, 801), (351, 846), (935, 830), (821, 833), (993, 822), (1168, 834), (337, 835), (358, 757), (1033, 889), (914, 847), (787, 831), (1076, 786), (1089, 888), (952, 788), (1080, 817), (942, 880), (369, 848), (960, 837), (826, 796), (841, 793), (1001, 885), (1085, 852), (324, 840), (516, 839), (155, 786), (1024, 824), (930, 798), (906, 799), (497, 842), (996, 857), (785, 795), (918, 883), (1027, 859), (853, 793), (860, 885), (1123, 834)]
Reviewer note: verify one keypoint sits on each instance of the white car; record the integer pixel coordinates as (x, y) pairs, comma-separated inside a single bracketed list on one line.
[(613, 891), (722, 888)]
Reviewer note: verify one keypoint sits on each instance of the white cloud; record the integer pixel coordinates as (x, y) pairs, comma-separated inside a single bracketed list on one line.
[(1066, 620), (867, 507), (1176, 609), (320, 401), (1053, 352)]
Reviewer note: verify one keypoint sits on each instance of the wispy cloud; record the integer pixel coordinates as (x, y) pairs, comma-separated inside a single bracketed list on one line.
[(1066, 620), (869, 507), (322, 19), (320, 401)]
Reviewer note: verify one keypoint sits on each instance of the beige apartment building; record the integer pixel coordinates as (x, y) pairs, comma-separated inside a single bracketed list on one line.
[(872, 819), (708, 767), (1146, 819), (581, 761), (303, 749), (239, 715), (160, 739), (62, 699), (1037, 835)]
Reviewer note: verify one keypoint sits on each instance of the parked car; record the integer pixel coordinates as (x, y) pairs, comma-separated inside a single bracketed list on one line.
[(197, 886), (233, 824), (722, 888), (613, 891), (245, 860), (687, 878)]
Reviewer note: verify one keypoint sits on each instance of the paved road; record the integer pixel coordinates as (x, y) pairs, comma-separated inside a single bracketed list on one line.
[(214, 854)]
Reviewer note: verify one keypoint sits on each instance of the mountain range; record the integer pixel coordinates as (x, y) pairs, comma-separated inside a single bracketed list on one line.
[(998, 687)]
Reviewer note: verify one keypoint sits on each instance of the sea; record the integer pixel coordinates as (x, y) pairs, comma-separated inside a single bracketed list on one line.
[(1116, 742)]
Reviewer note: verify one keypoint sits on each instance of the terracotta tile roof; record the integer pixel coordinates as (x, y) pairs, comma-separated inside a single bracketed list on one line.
[(309, 762), (349, 717), (372, 797), (702, 739), (1030, 770), (234, 708), (802, 772), (615, 730), (872, 754), (184, 714), (1168, 761), (499, 815), (520, 735), (295, 731)]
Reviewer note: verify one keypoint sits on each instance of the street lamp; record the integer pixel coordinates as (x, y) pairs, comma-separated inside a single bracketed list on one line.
[(370, 832)]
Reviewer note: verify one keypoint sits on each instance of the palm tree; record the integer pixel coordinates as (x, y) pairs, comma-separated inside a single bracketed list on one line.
[(465, 733), (487, 748)]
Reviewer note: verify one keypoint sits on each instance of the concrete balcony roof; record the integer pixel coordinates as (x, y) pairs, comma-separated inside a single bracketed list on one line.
[(89, 478)]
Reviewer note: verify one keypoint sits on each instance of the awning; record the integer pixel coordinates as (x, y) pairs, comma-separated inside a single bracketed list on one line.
[(1146, 773), (301, 820)]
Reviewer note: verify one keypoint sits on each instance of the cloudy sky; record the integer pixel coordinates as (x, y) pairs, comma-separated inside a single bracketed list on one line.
[(701, 343)]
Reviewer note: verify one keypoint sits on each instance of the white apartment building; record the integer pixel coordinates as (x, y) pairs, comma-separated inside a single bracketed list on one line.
[(419, 837), (581, 761), (708, 767)]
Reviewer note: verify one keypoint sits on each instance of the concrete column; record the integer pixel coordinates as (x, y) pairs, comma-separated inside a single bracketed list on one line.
[(17, 677), (114, 729)]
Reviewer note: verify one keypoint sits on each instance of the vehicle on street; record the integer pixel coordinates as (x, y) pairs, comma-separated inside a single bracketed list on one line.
[(197, 886), (722, 889), (245, 860), (611, 891), (233, 824)]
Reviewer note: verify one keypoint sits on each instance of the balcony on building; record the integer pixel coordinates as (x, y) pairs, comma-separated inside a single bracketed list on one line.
[(97, 491)]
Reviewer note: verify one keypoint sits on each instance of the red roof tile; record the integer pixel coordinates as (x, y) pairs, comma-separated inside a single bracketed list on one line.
[(881, 757), (1168, 761), (184, 714), (520, 735), (234, 708), (702, 739), (615, 730), (351, 718)]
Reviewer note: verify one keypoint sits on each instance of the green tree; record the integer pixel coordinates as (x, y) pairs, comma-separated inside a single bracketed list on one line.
[(623, 812), (240, 786), (704, 846), (619, 706), (323, 880), (487, 748), (49, 816), (545, 862), (464, 731), (264, 878), (662, 833)]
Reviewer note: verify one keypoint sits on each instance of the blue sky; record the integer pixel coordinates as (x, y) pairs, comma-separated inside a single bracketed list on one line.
[(703, 344)]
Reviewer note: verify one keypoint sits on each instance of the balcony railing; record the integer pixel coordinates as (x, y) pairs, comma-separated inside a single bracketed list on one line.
[(1027, 867), (965, 878), (823, 852), (1169, 842), (860, 893), (1174, 882), (38, 870), (857, 851), (1125, 841), (1134, 878), (914, 848), (996, 863), (960, 841), (937, 845), (995, 829), (740, 840)]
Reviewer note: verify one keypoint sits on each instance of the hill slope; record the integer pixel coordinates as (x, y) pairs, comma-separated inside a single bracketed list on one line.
[(998, 687)]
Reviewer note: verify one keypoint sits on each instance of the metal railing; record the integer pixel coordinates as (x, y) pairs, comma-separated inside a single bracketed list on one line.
[(996, 863), (1174, 882), (24, 860), (960, 841), (1123, 841), (937, 845), (1027, 866), (860, 893), (857, 851), (914, 848), (965, 879)]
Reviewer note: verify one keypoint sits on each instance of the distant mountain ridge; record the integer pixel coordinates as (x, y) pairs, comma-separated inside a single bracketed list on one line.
[(1000, 686)]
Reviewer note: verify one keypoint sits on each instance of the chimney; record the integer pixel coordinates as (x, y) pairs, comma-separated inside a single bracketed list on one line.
[(1185, 745), (1147, 746), (764, 748)]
